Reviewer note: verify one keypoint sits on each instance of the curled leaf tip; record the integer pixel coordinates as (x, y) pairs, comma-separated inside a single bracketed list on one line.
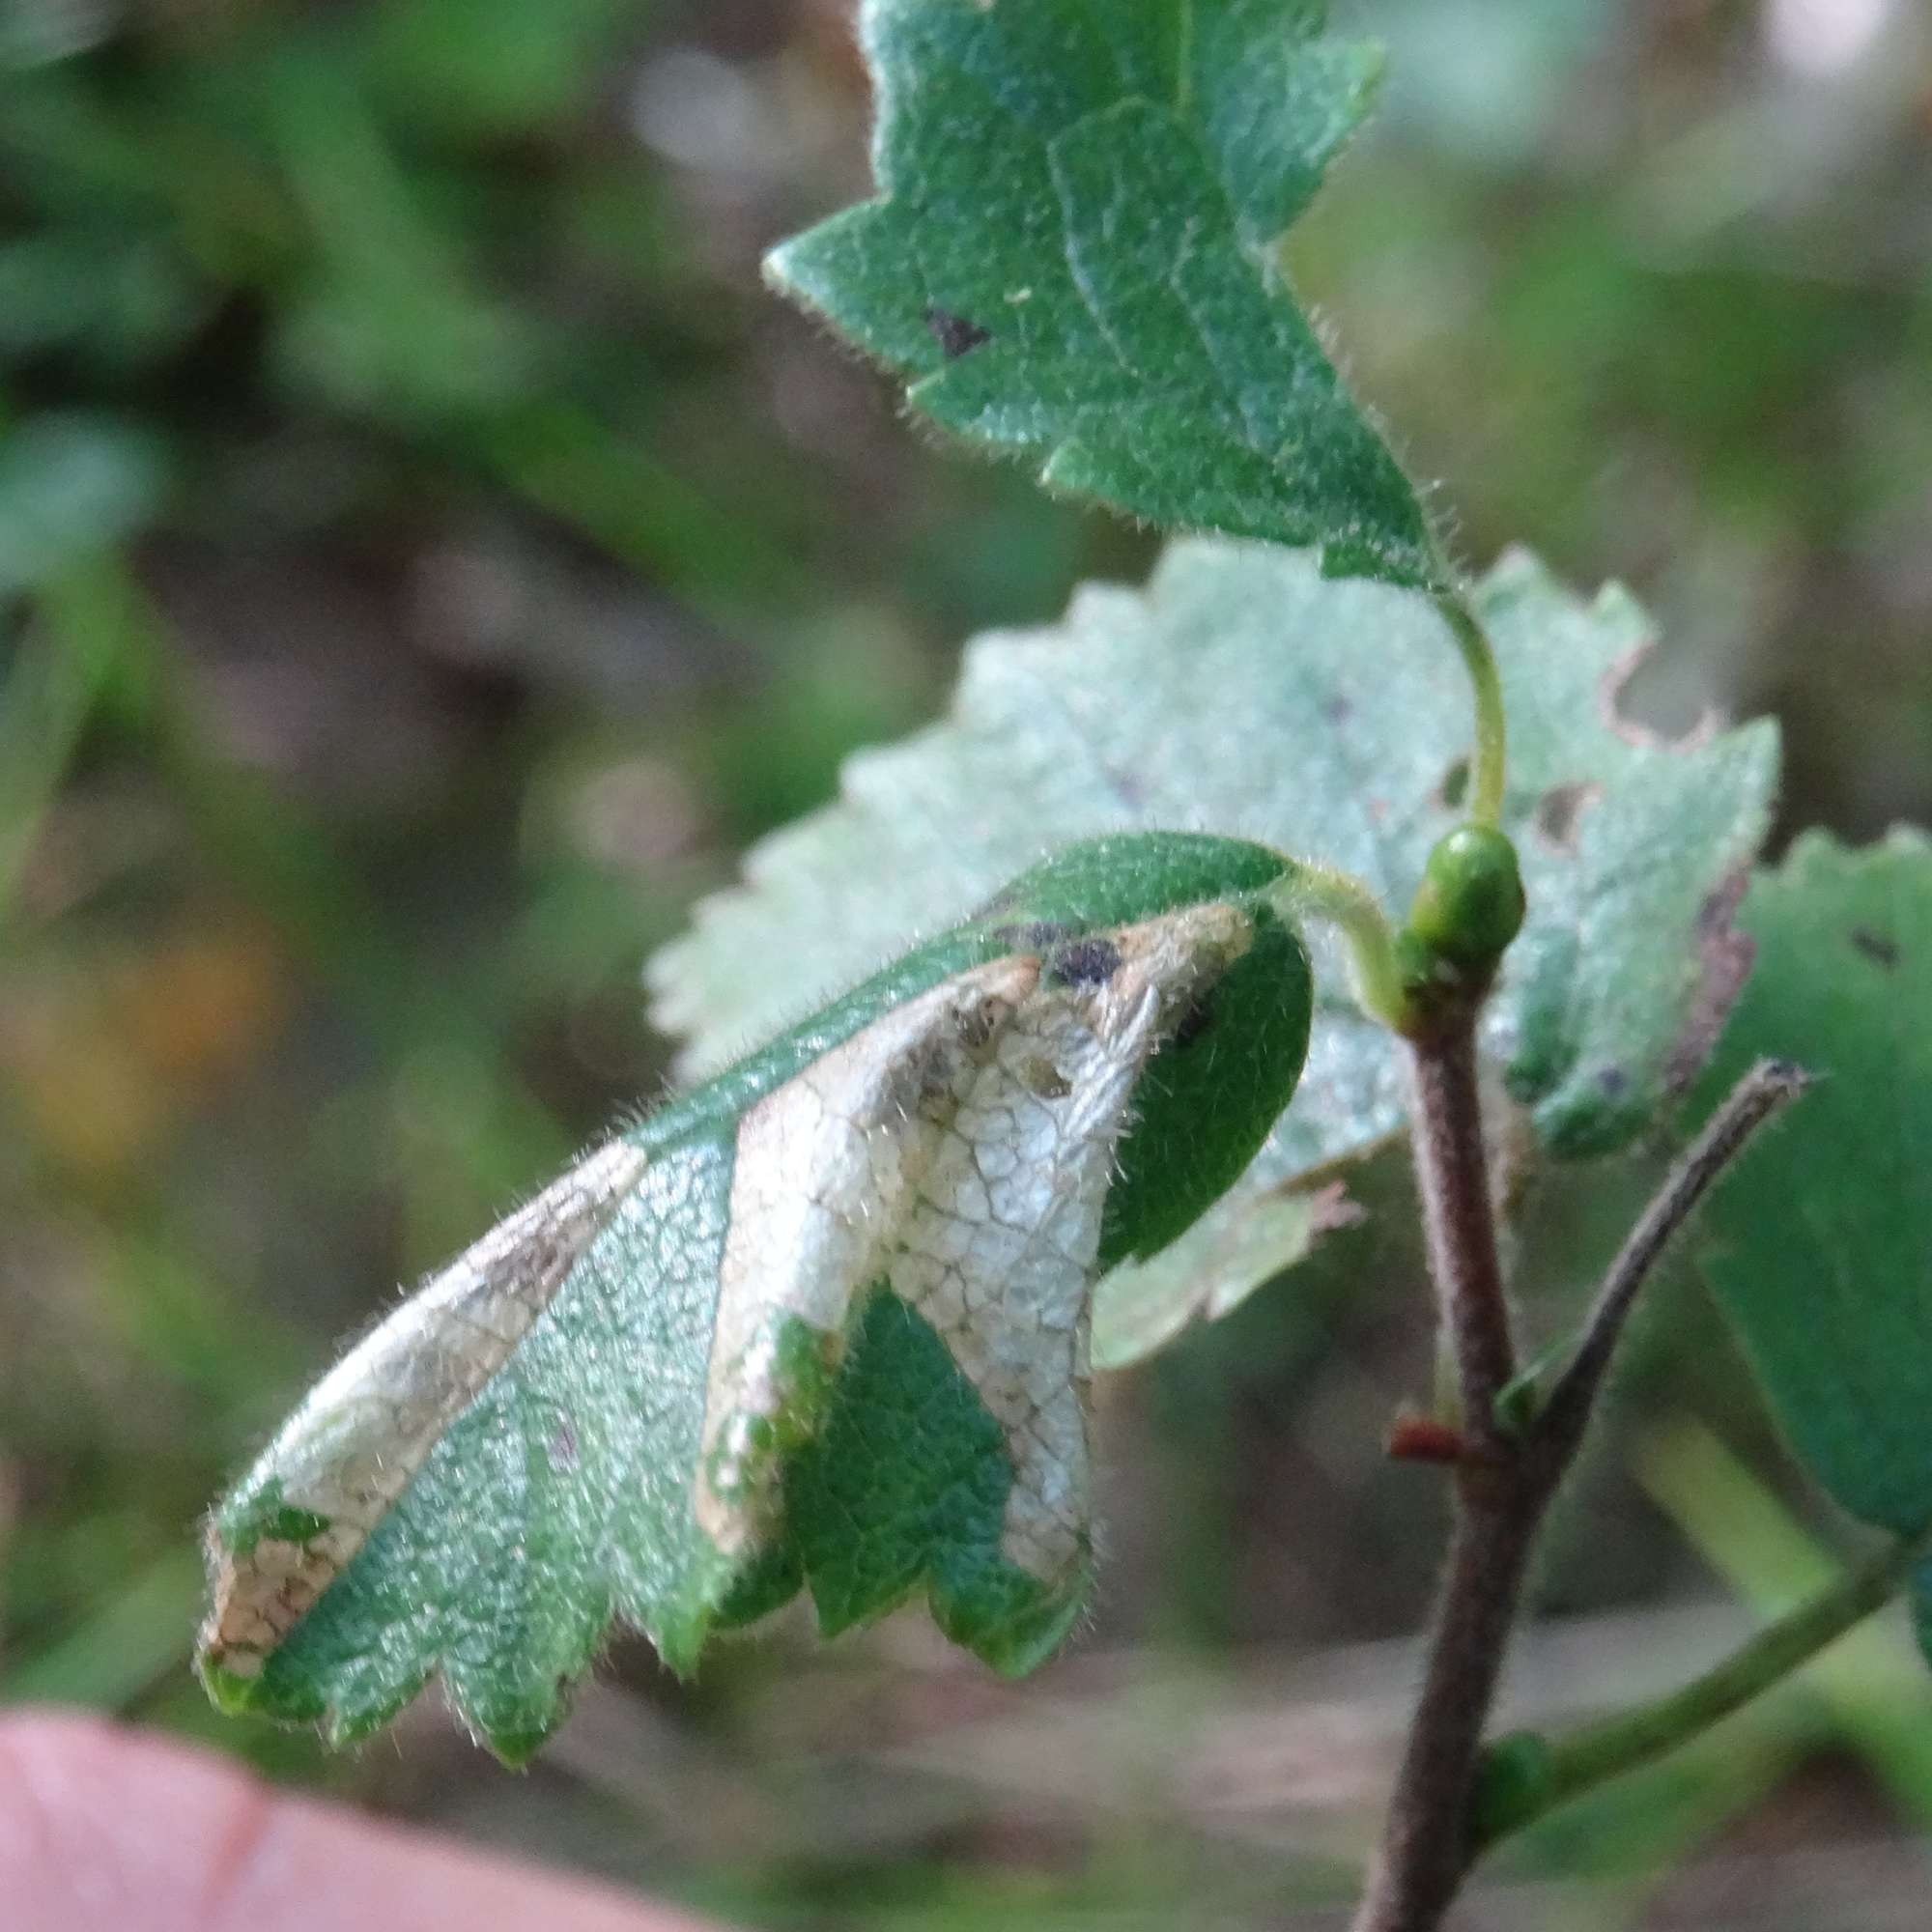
[(822, 1323)]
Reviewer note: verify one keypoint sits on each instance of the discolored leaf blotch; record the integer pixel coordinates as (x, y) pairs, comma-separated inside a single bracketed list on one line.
[(1241, 689), (821, 1322)]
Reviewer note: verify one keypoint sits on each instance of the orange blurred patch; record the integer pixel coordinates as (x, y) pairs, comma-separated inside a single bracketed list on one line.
[(106, 1055), (200, 1006)]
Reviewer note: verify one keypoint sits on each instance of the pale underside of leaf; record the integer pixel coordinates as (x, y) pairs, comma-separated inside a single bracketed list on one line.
[(1244, 694), (1075, 256), (608, 1394), (1212, 1270)]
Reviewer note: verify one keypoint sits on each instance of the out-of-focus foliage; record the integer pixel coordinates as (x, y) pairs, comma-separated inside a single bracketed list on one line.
[(1645, 285), (329, 260), (448, 557)]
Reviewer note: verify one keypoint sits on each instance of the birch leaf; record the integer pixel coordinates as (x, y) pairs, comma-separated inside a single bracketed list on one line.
[(1243, 691), (1074, 257), (823, 1322), (1822, 1252)]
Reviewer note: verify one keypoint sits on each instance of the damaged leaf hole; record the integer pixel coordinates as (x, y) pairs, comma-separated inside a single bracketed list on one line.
[(1558, 810)]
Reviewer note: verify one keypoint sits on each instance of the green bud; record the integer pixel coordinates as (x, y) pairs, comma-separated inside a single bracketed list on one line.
[(1470, 903)]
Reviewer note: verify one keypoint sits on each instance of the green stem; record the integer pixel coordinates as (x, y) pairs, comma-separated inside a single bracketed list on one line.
[(1490, 771), (1351, 906), (1553, 1772)]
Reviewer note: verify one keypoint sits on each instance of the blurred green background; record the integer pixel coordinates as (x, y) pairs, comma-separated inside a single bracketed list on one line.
[(427, 559)]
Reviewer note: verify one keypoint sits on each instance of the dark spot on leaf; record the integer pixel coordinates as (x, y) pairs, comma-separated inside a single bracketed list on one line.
[(1876, 947), (1614, 1081), (1726, 957), (1036, 935), (1454, 785), (1559, 808), (563, 1447), (1043, 1079), (1338, 711), (979, 1024), (1198, 1020), (954, 334), (926, 1070), (1086, 962)]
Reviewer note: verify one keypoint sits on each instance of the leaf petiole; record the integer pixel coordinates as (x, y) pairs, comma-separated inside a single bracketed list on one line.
[(1345, 903), (1524, 1775), (1490, 768)]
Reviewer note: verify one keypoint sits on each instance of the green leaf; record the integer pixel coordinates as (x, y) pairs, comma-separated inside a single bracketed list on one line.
[(71, 485), (823, 1322), (482, 70), (1824, 1232), (1075, 257), (1243, 691)]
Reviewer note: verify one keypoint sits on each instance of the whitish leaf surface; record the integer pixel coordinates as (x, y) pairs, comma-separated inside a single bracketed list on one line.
[(823, 1322), (1824, 1234), (1075, 256), (1242, 692)]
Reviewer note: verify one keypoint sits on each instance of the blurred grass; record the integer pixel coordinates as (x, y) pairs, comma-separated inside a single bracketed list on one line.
[(427, 558)]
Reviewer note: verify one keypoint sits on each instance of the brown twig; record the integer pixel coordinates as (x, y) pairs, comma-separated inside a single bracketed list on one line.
[(1459, 1217), (1424, 1851), (1768, 1087), (1504, 1485)]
